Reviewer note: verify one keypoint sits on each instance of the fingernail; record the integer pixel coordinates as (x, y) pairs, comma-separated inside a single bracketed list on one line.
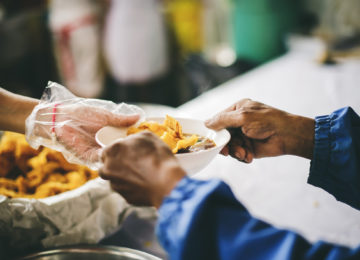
[(238, 155), (225, 153)]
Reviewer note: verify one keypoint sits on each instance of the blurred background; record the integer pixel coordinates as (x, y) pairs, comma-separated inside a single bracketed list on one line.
[(152, 51)]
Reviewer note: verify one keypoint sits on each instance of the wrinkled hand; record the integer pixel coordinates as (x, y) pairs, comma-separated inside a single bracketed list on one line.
[(258, 130), (141, 168)]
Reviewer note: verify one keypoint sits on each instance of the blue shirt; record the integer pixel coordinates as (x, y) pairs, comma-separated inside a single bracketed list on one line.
[(203, 219)]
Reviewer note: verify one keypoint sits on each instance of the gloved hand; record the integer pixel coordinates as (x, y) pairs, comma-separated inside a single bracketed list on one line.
[(68, 123)]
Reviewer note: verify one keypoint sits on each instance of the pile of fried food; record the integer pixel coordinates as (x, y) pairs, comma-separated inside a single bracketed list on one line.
[(170, 132), (29, 173)]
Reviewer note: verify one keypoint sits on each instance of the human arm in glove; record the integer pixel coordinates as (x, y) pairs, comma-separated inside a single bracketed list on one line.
[(63, 121)]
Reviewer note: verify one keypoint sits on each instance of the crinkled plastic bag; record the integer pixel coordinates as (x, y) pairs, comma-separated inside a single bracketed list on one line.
[(81, 216), (41, 125)]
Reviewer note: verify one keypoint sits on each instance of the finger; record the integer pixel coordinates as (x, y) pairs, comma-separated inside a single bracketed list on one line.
[(249, 147), (236, 148), (225, 151), (236, 134), (92, 154), (113, 175), (242, 149), (225, 120), (123, 120), (249, 157), (239, 153), (116, 149), (231, 108), (237, 105), (103, 174)]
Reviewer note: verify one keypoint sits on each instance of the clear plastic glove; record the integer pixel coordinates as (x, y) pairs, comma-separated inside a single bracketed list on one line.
[(68, 124)]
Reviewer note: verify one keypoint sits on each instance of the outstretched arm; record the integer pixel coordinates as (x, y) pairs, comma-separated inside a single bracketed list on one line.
[(14, 109), (332, 142), (200, 219), (203, 220), (258, 130), (62, 121)]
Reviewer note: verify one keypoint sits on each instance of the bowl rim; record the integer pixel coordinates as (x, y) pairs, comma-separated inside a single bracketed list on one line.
[(154, 118), (88, 248)]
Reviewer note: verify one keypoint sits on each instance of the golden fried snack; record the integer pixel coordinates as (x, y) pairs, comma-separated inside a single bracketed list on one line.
[(50, 189), (38, 175), (8, 142), (7, 154), (22, 185), (72, 180), (23, 152), (75, 179), (8, 184), (170, 132), (58, 157), (30, 173), (174, 125), (7, 163), (56, 177), (9, 193)]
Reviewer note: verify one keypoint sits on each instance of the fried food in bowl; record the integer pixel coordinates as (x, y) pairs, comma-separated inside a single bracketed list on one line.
[(194, 145)]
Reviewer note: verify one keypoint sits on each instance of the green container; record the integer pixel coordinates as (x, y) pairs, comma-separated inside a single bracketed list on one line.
[(260, 27)]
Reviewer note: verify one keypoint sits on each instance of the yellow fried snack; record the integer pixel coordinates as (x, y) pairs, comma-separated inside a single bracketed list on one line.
[(7, 155), (170, 132), (30, 173)]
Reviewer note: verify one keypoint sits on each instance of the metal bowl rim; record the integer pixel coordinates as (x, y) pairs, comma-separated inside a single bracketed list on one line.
[(88, 249)]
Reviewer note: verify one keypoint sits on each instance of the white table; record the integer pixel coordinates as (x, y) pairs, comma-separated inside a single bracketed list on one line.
[(275, 189)]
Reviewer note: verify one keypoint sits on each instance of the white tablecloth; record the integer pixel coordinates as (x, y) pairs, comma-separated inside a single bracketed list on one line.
[(275, 189)]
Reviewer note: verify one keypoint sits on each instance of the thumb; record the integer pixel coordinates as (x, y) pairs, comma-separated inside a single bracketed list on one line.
[(225, 120), (123, 120)]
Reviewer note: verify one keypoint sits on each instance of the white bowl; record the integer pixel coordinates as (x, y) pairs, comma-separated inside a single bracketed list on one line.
[(192, 162)]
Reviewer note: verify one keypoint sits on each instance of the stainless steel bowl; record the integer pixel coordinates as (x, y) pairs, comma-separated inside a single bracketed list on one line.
[(90, 252)]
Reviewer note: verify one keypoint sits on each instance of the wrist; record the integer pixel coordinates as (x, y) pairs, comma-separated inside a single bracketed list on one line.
[(14, 109), (171, 174), (299, 140)]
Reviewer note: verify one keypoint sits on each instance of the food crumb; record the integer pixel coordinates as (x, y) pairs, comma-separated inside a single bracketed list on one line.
[(316, 204)]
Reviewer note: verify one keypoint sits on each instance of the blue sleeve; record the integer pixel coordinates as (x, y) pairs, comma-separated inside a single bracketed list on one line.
[(203, 220), (336, 162)]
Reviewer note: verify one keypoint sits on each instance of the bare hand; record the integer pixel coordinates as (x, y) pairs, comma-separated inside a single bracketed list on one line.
[(141, 168), (258, 130)]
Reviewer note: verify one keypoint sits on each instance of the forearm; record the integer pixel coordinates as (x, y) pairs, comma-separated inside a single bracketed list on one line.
[(14, 109), (299, 136), (203, 220)]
